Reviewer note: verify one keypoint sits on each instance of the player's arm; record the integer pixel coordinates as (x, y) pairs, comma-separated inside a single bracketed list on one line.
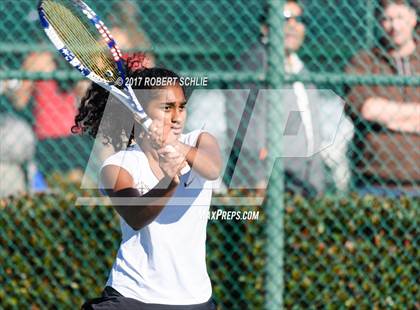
[(395, 115), (205, 158), (142, 210)]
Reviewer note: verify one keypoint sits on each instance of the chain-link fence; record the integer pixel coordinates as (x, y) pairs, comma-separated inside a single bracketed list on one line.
[(324, 94)]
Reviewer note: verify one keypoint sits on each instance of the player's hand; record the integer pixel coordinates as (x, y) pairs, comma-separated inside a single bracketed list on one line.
[(155, 135), (171, 161), (159, 135)]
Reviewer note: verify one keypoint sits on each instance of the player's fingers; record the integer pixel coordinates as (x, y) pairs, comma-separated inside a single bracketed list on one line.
[(170, 157), (166, 150), (156, 127)]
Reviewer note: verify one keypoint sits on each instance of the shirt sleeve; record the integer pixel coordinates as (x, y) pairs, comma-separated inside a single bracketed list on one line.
[(192, 137), (126, 160)]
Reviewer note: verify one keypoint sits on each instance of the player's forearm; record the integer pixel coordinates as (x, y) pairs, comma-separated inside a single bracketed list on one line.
[(206, 163), (142, 210)]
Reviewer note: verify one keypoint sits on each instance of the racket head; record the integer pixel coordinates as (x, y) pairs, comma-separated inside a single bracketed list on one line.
[(83, 40)]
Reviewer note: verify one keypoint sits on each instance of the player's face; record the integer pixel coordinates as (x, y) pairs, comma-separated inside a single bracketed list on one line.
[(169, 108), (294, 29), (399, 22)]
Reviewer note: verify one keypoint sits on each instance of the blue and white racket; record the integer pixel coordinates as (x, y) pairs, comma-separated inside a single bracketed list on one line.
[(86, 43)]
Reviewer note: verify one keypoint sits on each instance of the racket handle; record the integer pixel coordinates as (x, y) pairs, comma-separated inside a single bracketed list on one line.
[(144, 121), (146, 124)]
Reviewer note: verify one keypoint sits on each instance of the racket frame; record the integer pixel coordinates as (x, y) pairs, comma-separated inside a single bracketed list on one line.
[(127, 97)]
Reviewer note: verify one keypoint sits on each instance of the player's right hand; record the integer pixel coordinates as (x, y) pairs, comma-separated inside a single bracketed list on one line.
[(171, 161)]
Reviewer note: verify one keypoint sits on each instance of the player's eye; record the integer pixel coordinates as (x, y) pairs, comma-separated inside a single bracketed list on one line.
[(165, 108)]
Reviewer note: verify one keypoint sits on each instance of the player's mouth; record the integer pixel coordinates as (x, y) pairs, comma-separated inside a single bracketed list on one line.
[(176, 130)]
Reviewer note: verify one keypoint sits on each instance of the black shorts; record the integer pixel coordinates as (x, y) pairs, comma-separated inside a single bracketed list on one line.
[(113, 300)]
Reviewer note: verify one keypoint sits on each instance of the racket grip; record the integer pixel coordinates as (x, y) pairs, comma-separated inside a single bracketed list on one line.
[(144, 121), (146, 124)]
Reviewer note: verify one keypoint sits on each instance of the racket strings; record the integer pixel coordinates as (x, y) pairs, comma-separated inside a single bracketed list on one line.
[(88, 46)]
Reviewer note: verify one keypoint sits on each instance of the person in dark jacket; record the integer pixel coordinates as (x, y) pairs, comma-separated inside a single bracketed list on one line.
[(388, 116)]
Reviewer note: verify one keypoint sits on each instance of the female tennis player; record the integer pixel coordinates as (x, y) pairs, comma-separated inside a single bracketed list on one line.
[(161, 260)]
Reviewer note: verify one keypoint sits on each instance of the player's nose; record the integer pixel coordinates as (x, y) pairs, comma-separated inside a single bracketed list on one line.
[(176, 115)]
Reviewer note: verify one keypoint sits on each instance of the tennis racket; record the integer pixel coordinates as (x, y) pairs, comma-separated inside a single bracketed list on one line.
[(86, 43)]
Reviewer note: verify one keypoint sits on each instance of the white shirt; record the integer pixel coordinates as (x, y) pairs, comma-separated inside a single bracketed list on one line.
[(164, 262)]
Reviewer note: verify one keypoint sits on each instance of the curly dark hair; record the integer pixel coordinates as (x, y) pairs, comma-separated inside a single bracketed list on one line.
[(113, 125)]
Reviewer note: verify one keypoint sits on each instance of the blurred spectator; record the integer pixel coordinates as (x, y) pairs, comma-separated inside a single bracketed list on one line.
[(303, 173), (128, 31), (320, 116), (17, 145), (17, 149), (388, 117), (246, 118), (319, 120), (54, 111)]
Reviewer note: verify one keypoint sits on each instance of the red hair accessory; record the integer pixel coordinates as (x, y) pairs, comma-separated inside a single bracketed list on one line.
[(134, 61)]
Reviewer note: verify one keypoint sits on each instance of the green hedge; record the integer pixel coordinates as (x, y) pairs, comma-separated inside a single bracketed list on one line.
[(53, 252), (352, 252), (338, 252)]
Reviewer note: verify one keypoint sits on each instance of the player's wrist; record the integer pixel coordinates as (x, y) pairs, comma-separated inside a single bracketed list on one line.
[(183, 148)]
